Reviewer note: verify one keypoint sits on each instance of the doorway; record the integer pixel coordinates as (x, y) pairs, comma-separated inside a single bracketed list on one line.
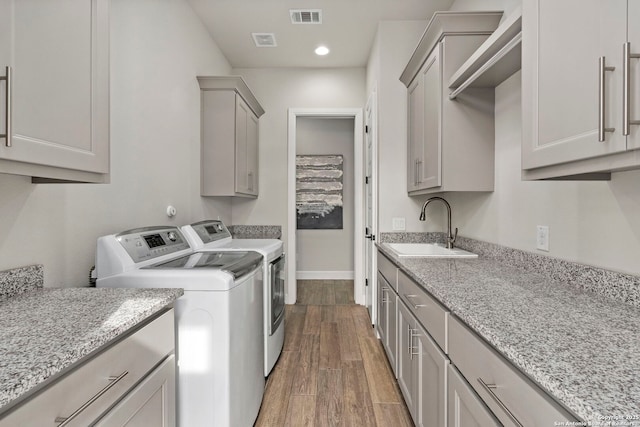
[(355, 117)]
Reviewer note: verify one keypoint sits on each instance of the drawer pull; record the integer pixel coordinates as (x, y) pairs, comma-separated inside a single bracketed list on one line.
[(412, 335), (7, 111), (602, 99), (489, 388), (113, 381), (415, 306)]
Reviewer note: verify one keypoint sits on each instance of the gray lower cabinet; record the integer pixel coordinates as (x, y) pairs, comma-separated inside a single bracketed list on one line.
[(129, 383), (447, 374), (386, 325), (466, 409), (512, 397), (422, 371), (150, 403)]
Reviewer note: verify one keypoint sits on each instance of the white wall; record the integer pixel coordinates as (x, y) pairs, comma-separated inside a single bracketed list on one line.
[(394, 45), (277, 90), (328, 136), (157, 49), (595, 223)]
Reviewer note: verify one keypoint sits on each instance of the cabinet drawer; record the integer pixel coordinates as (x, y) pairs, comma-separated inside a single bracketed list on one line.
[(510, 395), (430, 313), (388, 270), (115, 370)]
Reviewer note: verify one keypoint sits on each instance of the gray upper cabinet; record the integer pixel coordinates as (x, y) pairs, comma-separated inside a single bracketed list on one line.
[(450, 142), (229, 151), (578, 98), (57, 56)]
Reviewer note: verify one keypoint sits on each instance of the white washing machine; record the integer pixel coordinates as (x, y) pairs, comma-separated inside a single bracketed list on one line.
[(219, 318), (213, 235)]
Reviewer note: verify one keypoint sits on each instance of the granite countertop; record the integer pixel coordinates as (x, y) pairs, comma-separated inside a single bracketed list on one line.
[(46, 331), (582, 348)]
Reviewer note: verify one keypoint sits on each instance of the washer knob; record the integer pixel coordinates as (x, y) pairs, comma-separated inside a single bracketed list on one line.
[(172, 236)]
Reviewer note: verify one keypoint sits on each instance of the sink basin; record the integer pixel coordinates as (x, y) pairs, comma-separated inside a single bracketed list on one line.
[(428, 250)]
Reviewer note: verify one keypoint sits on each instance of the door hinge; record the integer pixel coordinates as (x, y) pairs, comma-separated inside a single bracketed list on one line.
[(366, 282), (366, 129), (366, 179)]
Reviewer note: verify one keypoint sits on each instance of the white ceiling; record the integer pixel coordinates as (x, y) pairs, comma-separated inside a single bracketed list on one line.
[(348, 29)]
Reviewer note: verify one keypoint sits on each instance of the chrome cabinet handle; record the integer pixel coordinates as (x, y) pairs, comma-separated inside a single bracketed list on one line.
[(601, 99), (626, 90), (113, 381), (409, 349), (489, 388), (412, 335), (415, 306), (250, 179), (384, 295), (415, 172), (419, 166), (7, 108)]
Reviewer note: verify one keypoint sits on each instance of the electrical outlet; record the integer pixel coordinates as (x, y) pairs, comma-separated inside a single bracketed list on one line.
[(542, 237), (398, 224)]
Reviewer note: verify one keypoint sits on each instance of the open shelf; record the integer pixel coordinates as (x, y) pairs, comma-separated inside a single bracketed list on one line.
[(494, 61)]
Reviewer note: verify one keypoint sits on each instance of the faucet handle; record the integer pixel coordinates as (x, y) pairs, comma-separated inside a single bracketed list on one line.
[(455, 236)]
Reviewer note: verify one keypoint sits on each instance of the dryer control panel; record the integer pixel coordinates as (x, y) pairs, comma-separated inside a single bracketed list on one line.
[(211, 231), (143, 244)]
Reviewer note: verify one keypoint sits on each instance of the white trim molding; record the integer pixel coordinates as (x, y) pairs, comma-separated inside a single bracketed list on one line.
[(358, 234), (325, 275)]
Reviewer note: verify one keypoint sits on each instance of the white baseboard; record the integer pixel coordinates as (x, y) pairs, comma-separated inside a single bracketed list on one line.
[(324, 275)]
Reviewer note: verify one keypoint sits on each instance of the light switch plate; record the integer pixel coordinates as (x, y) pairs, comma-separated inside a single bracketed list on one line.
[(398, 224), (542, 237)]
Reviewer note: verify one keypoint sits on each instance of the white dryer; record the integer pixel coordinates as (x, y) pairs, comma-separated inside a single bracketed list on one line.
[(214, 235), (219, 318)]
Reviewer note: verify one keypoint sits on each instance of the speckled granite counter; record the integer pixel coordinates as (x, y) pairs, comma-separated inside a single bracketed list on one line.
[(583, 348), (255, 231), (46, 331)]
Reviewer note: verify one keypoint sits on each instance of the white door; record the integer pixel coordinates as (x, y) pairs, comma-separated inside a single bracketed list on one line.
[(370, 231)]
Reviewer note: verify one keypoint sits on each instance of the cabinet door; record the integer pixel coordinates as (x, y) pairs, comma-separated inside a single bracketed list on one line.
[(560, 79), (59, 55), (633, 140), (465, 408), (242, 168), (407, 379), (392, 329), (430, 166), (415, 131), (151, 403), (382, 294), (252, 153), (432, 378)]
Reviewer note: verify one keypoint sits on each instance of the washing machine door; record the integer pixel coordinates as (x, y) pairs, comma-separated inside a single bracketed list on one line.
[(236, 263)]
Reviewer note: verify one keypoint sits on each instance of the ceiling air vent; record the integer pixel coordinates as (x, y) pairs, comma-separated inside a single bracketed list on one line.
[(306, 16), (264, 39)]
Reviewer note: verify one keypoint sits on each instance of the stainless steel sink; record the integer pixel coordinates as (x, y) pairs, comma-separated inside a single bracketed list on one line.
[(428, 250)]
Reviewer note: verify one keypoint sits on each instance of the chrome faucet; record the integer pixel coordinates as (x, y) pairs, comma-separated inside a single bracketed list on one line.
[(451, 238)]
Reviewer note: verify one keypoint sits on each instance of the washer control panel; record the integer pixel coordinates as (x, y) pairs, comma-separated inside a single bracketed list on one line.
[(151, 242), (211, 230)]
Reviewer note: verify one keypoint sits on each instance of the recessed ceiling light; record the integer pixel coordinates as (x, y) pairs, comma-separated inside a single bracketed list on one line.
[(322, 50)]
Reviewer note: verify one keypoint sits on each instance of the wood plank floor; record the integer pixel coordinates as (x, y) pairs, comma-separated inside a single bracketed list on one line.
[(332, 370)]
